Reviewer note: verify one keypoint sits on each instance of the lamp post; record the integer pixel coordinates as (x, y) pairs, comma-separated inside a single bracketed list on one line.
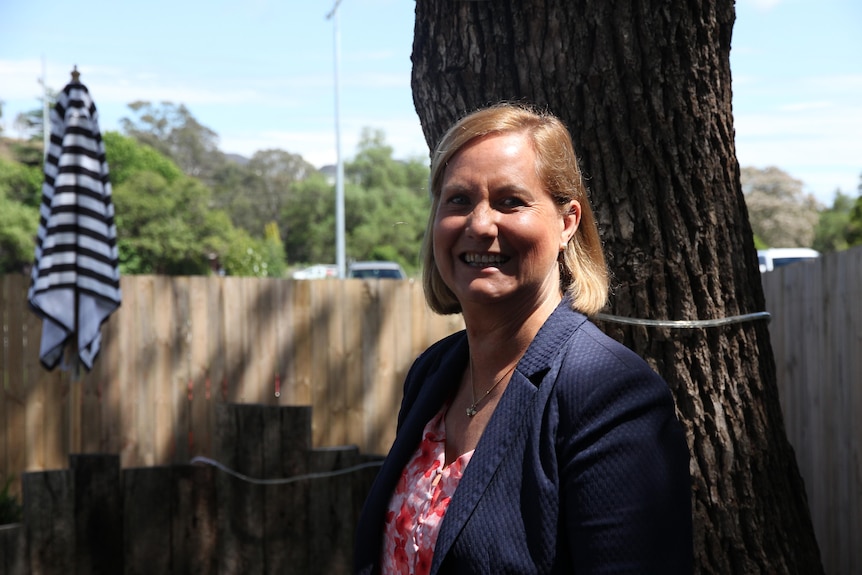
[(339, 170)]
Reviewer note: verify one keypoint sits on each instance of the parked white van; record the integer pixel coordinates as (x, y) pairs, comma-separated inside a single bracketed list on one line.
[(777, 257)]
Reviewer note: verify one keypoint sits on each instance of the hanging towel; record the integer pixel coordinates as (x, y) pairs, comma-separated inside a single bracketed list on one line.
[(75, 283)]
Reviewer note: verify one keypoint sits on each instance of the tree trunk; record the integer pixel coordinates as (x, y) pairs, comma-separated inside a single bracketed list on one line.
[(645, 90)]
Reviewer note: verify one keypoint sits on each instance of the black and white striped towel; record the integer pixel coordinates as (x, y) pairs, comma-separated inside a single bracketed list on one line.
[(76, 249)]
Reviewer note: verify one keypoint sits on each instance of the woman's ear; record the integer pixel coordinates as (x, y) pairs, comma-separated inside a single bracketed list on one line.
[(571, 220)]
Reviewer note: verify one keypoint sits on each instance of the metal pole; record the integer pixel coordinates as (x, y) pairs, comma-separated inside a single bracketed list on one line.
[(339, 172), (46, 117)]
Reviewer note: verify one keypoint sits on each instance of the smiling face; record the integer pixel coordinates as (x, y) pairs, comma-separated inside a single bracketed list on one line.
[(497, 232)]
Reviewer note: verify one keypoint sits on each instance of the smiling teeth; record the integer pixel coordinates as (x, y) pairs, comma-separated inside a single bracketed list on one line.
[(484, 259)]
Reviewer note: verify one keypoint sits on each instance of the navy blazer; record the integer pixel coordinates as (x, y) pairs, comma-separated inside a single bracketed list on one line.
[(582, 468)]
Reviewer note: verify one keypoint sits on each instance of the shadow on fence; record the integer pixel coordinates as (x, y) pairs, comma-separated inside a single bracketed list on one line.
[(297, 514)]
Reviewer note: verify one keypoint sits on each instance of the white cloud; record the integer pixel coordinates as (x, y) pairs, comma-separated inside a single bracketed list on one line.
[(762, 5)]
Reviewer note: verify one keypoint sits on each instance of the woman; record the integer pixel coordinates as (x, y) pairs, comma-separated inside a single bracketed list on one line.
[(530, 442)]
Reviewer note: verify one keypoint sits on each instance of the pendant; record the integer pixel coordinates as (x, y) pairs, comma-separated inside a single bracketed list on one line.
[(471, 411)]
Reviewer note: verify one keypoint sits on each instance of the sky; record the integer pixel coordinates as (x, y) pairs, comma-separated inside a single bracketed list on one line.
[(261, 74)]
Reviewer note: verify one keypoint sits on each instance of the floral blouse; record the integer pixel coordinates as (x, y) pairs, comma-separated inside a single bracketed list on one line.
[(419, 502)]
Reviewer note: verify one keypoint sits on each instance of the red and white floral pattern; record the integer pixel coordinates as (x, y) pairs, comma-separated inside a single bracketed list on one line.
[(420, 500)]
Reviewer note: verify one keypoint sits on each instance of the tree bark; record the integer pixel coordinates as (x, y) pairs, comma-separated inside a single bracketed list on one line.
[(645, 88)]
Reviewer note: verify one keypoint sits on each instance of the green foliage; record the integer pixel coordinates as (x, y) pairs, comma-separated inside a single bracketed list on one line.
[(21, 183), (20, 196), (308, 221), (831, 232), (854, 225), (126, 157), (10, 507), (166, 224), (386, 207), (759, 244), (256, 193), (19, 224)]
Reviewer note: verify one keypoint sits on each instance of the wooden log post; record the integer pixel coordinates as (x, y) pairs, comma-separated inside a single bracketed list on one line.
[(194, 520), (261, 527), (98, 514), (287, 432), (147, 520), (239, 433), (49, 520), (331, 515), (12, 549)]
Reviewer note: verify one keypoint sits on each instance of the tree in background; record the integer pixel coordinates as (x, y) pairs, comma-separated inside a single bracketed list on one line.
[(20, 196), (781, 214), (645, 88), (386, 205), (854, 227), (833, 226), (272, 175), (173, 130), (165, 222)]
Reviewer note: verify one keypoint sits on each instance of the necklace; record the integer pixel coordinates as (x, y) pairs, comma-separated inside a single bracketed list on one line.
[(471, 411)]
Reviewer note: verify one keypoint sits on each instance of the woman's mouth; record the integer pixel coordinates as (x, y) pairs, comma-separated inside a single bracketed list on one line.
[(481, 260)]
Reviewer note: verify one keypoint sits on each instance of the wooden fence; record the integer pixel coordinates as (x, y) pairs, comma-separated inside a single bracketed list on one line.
[(180, 346), (816, 333), (96, 518)]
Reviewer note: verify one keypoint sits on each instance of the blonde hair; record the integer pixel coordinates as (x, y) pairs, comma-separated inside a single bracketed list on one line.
[(583, 272)]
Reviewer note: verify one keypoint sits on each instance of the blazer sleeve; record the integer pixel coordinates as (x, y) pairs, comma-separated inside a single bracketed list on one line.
[(625, 489)]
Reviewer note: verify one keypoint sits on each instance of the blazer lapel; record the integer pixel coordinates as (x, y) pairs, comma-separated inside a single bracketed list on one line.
[(504, 431)]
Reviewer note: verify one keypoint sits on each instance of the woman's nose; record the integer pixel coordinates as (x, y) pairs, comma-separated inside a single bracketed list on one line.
[(482, 220)]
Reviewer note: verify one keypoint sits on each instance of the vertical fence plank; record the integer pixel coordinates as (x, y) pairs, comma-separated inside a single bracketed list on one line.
[(36, 389), (351, 327), (321, 340), (106, 368), (145, 362), (181, 389), (16, 388), (266, 340), (252, 378), (200, 392), (163, 378), (284, 318), (235, 356), (127, 330), (215, 387), (302, 344)]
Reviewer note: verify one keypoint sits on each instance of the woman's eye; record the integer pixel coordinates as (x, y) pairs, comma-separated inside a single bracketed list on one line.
[(512, 202)]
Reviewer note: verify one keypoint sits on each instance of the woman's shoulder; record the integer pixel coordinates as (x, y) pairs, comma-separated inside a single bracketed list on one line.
[(590, 360)]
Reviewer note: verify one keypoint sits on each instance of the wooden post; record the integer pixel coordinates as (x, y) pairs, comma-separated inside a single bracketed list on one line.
[(12, 549), (239, 431), (98, 514), (49, 520), (147, 520), (194, 520)]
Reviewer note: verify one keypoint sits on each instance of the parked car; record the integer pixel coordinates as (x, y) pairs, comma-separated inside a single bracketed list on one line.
[(390, 270), (777, 257), (316, 272)]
